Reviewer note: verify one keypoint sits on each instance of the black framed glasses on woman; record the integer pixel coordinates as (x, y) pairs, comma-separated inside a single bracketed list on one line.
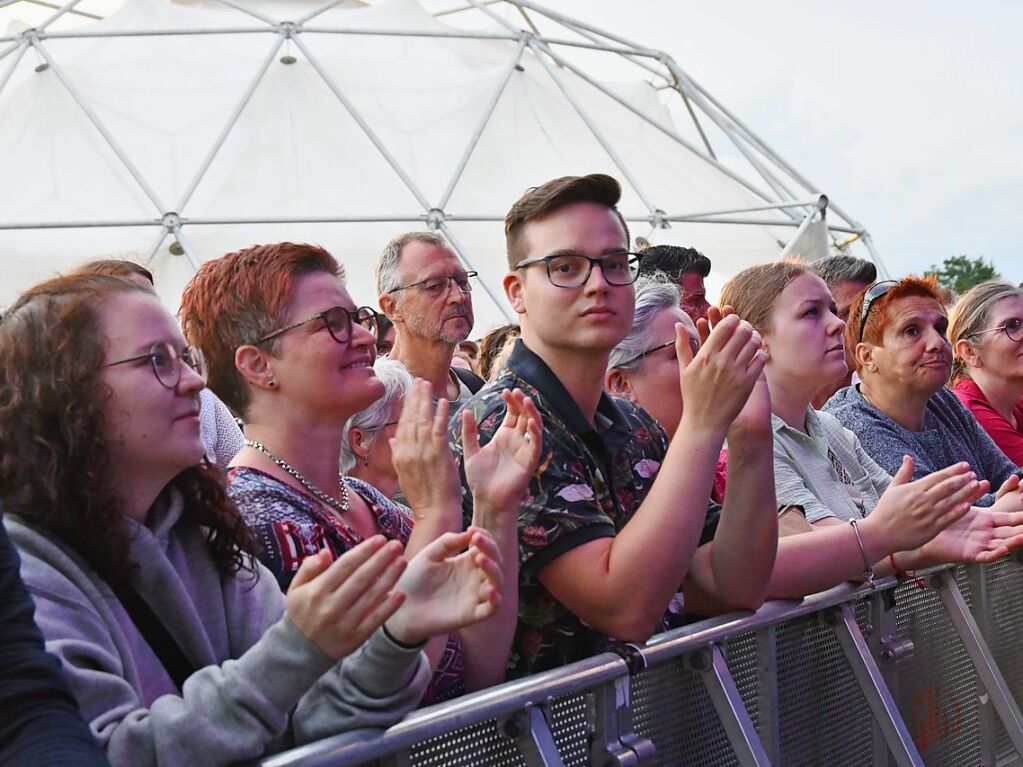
[(338, 322), (166, 362), (572, 270)]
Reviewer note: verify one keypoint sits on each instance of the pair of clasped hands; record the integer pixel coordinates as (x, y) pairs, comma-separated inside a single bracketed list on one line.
[(455, 580)]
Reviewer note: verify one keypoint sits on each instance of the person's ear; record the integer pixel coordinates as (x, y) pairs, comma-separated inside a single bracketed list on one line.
[(864, 356), (617, 383), (965, 351), (359, 443), (389, 305), (513, 289), (255, 366)]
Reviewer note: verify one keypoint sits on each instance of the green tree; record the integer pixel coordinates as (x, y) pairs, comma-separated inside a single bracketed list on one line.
[(960, 273)]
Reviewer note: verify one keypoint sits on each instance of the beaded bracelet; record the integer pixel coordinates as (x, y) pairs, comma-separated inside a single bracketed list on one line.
[(868, 571)]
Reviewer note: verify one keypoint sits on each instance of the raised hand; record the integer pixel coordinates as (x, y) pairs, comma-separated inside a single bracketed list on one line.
[(419, 449), (338, 604), (716, 382), (446, 590), (980, 535), (909, 514), (499, 473), (1010, 495)]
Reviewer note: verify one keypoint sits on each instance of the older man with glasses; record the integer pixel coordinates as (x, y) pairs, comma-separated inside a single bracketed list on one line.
[(426, 293)]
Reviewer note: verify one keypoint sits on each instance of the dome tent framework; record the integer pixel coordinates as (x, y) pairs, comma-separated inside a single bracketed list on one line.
[(522, 108)]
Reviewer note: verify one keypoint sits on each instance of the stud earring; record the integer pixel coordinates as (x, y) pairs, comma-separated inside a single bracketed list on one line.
[(271, 383)]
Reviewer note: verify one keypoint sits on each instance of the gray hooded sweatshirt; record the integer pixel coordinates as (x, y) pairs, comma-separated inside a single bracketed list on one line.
[(261, 686)]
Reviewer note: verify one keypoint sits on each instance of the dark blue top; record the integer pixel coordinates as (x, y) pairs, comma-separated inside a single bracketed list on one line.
[(39, 721)]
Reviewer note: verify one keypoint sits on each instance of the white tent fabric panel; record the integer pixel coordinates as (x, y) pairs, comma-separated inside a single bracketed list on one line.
[(240, 135)]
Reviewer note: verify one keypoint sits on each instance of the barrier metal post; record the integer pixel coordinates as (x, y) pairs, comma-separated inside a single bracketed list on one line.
[(990, 675), (717, 679), (871, 682), (532, 734), (615, 744)]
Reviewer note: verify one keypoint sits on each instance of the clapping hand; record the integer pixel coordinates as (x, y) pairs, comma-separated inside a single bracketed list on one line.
[(445, 590), (422, 459), (499, 473)]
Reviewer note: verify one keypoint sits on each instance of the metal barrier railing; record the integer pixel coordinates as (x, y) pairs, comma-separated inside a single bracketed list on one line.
[(895, 675)]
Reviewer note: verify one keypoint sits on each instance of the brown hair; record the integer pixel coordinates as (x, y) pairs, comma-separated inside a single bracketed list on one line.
[(55, 469), (753, 291), (972, 313), (541, 201), (878, 319), (115, 267), (238, 299), (491, 346)]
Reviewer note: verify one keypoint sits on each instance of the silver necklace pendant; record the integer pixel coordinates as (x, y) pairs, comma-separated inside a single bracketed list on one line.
[(341, 506)]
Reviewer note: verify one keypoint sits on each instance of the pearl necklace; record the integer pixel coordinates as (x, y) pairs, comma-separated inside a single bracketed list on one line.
[(340, 506)]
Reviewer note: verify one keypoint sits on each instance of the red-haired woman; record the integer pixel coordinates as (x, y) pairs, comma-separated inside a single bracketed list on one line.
[(291, 353), (176, 645), (898, 336)]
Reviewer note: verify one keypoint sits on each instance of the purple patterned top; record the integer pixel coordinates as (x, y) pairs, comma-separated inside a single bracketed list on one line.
[(290, 525)]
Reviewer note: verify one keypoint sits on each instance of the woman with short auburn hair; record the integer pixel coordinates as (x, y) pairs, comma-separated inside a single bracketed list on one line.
[(178, 645), (986, 331), (897, 335), (289, 350), (863, 521)]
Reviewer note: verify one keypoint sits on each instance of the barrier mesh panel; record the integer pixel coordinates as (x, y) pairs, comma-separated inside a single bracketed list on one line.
[(1004, 634), (671, 708), (477, 746), (823, 716), (481, 745), (741, 654), (938, 688)]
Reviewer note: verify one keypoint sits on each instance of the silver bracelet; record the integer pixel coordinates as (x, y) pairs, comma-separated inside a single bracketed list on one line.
[(868, 571)]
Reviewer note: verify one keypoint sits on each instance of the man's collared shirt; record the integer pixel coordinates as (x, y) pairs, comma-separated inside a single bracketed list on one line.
[(590, 480)]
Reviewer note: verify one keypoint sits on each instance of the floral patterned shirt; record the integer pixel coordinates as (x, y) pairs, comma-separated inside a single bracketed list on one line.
[(589, 482), (290, 525)]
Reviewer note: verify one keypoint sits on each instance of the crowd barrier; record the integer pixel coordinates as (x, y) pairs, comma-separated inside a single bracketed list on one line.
[(905, 674)]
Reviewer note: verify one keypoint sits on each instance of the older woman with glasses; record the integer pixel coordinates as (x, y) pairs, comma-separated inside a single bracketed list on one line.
[(366, 440), (986, 331), (292, 354), (897, 335), (644, 369), (178, 645)]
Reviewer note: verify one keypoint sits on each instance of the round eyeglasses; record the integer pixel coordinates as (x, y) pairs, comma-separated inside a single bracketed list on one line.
[(572, 270), (166, 362), (1012, 328), (338, 322)]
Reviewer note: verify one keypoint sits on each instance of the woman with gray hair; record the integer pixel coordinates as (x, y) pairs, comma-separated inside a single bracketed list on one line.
[(986, 331), (366, 444)]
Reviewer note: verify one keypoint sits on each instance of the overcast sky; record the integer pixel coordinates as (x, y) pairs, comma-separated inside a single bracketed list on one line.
[(909, 115)]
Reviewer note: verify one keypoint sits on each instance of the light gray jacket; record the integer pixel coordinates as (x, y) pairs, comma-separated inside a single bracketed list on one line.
[(261, 686)]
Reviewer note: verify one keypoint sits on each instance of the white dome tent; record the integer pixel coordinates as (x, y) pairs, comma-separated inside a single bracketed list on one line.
[(178, 130)]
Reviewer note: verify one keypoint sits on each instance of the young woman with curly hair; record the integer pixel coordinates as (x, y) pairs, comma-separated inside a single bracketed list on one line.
[(176, 646)]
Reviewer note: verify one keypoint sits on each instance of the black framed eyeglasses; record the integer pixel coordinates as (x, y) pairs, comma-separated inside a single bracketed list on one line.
[(338, 322), (435, 287), (873, 293), (1013, 329), (572, 270), (166, 362)]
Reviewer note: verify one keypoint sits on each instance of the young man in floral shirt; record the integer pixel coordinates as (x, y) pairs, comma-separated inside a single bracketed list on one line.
[(613, 515)]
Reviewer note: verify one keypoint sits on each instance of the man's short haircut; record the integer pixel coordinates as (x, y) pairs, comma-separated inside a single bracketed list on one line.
[(115, 267), (674, 261), (835, 270), (541, 201), (387, 266), (654, 293)]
